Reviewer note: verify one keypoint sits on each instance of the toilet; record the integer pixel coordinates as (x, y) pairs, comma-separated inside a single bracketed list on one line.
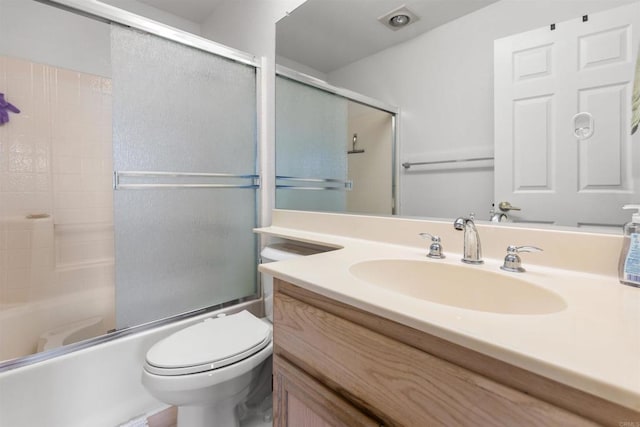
[(219, 369)]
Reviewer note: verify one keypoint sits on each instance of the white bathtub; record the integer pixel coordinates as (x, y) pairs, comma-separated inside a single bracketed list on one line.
[(53, 276), (22, 325)]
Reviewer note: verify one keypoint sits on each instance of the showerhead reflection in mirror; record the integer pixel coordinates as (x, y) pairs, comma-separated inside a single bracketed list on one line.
[(5, 107)]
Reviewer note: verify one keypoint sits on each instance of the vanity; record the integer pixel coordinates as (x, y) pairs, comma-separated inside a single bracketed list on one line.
[(376, 333)]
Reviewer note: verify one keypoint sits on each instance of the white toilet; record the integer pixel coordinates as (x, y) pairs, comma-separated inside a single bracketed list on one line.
[(212, 369)]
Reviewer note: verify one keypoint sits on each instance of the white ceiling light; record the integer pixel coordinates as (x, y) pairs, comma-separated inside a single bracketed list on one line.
[(398, 18)]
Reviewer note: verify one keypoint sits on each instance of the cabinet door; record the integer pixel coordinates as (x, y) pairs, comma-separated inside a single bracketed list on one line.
[(302, 401), (393, 381)]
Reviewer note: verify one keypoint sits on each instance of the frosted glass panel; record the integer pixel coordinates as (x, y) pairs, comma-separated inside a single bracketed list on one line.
[(311, 141), (178, 109)]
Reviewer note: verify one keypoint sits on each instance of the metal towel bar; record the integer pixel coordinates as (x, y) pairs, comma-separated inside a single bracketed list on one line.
[(341, 184), (118, 177), (407, 165)]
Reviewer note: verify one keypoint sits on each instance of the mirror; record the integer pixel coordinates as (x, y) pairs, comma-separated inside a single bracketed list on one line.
[(439, 71)]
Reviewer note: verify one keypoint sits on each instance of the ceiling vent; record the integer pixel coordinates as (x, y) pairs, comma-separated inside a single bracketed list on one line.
[(398, 18)]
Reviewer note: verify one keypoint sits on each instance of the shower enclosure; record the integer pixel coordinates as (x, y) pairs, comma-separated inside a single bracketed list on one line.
[(127, 180), (335, 149)]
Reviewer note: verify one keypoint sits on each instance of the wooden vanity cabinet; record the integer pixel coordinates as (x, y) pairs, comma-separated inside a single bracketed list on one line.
[(303, 401), (336, 365)]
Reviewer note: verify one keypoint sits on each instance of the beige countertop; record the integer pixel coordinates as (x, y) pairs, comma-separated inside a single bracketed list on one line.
[(592, 345)]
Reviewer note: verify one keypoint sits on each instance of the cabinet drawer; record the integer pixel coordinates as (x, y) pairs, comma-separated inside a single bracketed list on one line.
[(397, 383)]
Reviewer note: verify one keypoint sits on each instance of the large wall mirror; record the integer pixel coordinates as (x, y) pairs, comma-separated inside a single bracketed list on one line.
[(487, 93)]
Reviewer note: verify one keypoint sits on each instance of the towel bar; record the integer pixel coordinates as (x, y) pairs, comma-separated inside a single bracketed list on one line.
[(341, 184), (407, 165), (119, 175)]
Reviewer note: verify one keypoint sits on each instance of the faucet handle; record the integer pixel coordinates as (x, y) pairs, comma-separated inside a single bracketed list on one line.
[(435, 249), (512, 261)]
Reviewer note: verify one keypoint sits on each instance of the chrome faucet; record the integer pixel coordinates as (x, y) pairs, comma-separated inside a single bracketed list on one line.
[(435, 249), (472, 249), (512, 261)]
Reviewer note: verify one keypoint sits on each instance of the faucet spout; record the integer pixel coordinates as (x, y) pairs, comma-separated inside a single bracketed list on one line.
[(472, 248)]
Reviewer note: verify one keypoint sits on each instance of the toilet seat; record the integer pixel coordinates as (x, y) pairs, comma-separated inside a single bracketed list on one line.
[(208, 345)]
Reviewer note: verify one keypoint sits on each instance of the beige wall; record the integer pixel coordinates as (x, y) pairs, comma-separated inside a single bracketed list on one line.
[(371, 171)]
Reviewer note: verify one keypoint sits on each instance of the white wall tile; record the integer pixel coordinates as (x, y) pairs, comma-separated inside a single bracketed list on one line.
[(4, 262), (20, 182), (19, 259), (71, 199), (13, 296), (56, 158), (68, 182), (42, 259), (92, 166), (42, 238), (43, 183), (67, 163), (17, 239), (18, 278)]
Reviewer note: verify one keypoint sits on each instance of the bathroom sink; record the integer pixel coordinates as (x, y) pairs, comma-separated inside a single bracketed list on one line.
[(459, 286)]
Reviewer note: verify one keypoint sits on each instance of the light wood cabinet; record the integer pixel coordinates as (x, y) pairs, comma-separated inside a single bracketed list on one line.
[(302, 401), (337, 365)]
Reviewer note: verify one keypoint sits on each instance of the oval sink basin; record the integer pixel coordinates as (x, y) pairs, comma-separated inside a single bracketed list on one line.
[(459, 286)]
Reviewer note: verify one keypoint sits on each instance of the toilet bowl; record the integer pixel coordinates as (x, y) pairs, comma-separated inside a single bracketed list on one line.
[(208, 369), (216, 370)]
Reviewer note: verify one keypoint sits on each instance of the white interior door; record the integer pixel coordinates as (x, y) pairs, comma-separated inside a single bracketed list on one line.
[(542, 79)]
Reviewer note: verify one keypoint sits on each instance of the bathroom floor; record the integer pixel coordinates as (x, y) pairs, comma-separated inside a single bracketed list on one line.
[(256, 421), (168, 418)]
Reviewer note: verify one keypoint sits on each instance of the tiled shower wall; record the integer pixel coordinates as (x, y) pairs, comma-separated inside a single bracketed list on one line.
[(56, 203)]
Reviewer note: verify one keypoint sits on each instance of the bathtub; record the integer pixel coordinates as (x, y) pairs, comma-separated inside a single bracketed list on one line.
[(23, 326), (70, 333), (56, 283)]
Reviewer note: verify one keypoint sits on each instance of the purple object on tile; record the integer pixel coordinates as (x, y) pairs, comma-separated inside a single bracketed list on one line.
[(5, 107)]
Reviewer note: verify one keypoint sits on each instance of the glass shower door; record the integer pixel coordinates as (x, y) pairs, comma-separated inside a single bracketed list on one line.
[(184, 133), (311, 134)]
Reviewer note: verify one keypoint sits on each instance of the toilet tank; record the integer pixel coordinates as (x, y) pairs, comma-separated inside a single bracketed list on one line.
[(280, 252)]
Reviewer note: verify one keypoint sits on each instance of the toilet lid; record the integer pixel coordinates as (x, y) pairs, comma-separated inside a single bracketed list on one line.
[(211, 344)]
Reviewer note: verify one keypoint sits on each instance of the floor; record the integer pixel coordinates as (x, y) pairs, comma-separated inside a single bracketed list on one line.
[(168, 418), (256, 422)]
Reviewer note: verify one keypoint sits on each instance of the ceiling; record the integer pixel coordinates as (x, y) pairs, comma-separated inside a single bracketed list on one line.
[(328, 34), (193, 10)]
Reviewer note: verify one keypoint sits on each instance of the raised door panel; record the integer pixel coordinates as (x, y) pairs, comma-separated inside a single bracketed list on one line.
[(602, 159), (299, 414), (604, 48), (533, 63), (533, 140), (302, 401)]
